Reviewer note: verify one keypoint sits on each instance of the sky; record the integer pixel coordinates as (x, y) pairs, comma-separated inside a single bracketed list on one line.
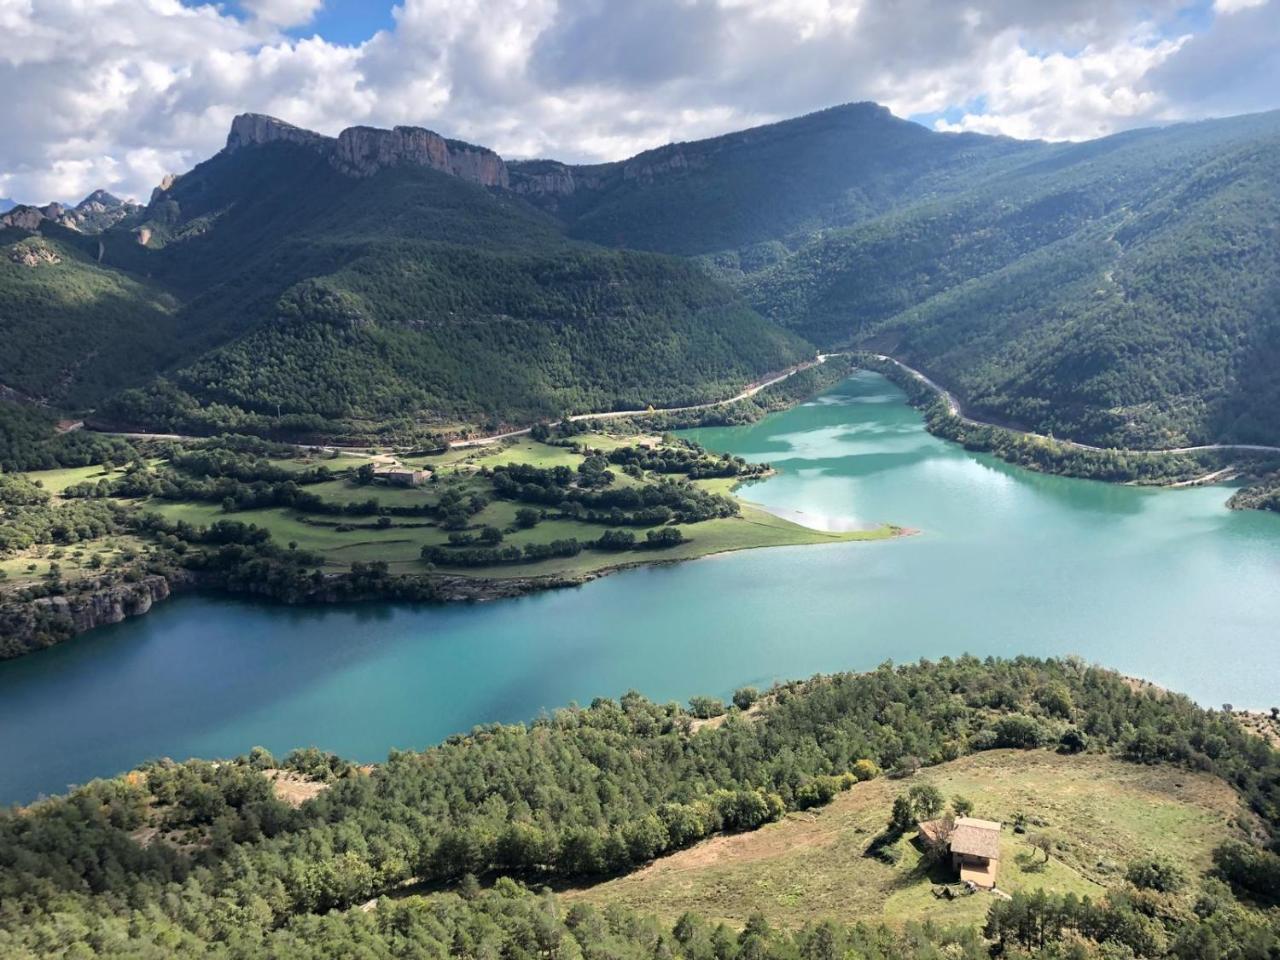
[(117, 93)]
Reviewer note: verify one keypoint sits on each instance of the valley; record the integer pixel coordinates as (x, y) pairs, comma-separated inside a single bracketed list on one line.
[(1074, 563), (383, 530)]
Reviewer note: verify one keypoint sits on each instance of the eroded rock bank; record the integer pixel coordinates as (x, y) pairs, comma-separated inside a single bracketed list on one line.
[(29, 624)]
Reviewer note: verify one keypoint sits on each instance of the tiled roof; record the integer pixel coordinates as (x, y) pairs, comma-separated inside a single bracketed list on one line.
[(976, 838)]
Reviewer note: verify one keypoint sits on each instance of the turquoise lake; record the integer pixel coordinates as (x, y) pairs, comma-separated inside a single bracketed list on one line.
[(1165, 584)]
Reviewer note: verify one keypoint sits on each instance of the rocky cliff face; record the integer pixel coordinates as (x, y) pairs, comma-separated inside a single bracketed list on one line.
[(363, 151), (249, 129), (543, 178), (112, 604), (32, 625)]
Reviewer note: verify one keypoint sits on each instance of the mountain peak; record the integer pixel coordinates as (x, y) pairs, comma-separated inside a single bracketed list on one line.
[(102, 199), (257, 128)]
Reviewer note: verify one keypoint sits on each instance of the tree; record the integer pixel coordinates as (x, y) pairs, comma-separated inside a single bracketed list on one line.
[(364, 474), (926, 801), (902, 817), (962, 806), (745, 697), (705, 708), (1042, 842), (937, 844), (490, 535), (527, 517), (1072, 741)]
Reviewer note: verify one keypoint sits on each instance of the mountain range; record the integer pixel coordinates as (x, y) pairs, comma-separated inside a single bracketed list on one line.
[(1122, 291)]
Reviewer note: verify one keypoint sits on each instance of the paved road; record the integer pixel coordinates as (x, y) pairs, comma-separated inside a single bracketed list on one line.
[(953, 405), (750, 391)]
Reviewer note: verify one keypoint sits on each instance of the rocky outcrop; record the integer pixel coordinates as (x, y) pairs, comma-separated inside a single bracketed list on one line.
[(93, 214), (109, 604), (249, 129), (165, 185), (33, 252), (31, 625), (25, 217), (544, 178), (363, 151)]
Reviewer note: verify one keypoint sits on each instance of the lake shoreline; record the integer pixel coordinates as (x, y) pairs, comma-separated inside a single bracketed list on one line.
[(109, 601), (1172, 468)]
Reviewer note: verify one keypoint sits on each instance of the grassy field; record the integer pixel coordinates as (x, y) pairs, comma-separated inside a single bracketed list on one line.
[(342, 539), (400, 544), (28, 566), (1101, 813)]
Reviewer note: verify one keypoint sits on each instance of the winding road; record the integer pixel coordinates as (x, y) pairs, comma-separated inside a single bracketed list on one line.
[(954, 408), (750, 391)]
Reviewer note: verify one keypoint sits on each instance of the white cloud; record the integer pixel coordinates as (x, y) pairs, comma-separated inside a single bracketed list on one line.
[(1235, 6), (283, 13), (113, 92), (1059, 97)]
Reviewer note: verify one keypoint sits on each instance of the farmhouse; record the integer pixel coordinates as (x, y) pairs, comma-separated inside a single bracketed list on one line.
[(402, 476), (974, 846)]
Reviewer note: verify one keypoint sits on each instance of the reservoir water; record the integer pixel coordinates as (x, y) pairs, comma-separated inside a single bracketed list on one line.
[(1165, 584)]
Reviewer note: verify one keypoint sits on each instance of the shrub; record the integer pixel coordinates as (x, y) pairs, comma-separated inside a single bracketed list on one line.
[(817, 792), (1153, 873), (865, 769), (745, 697), (704, 708)]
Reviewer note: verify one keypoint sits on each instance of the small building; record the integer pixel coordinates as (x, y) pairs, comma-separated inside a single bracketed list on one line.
[(402, 476), (973, 844)]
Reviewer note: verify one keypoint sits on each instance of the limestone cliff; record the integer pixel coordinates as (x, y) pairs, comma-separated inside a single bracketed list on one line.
[(363, 151), (249, 129), (28, 626)]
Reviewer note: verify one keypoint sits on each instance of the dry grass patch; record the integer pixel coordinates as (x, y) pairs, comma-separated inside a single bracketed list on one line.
[(1100, 811), (293, 788)]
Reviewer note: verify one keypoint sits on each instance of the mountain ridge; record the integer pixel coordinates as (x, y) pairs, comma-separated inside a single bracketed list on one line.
[(1018, 272)]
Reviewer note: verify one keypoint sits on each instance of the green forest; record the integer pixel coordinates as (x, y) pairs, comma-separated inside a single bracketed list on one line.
[(203, 859)]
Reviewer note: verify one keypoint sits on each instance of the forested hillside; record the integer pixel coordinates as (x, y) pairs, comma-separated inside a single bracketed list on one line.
[(757, 191), (1120, 291), (1123, 292), (73, 330), (273, 292), (204, 859)]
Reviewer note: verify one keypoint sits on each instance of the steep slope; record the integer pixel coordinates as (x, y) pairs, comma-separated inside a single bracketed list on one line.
[(73, 330), (744, 192), (1121, 291), (385, 281)]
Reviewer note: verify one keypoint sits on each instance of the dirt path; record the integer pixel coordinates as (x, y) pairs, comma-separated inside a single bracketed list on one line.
[(953, 406)]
